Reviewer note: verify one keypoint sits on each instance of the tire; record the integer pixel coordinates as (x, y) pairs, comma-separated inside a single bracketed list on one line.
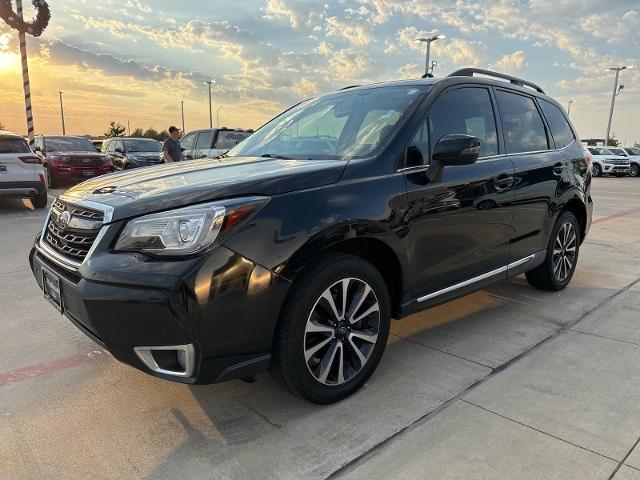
[(312, 343), (596, 170), (40, 201), (562, 256), (634, 170)]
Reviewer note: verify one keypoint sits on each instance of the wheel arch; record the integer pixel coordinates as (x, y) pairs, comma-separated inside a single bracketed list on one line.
[(578, 207), (383, 250)]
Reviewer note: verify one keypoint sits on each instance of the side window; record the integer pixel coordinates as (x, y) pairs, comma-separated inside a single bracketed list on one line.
[(188, 140), (107, 146), (560, 129), (205, 139), (227, 139), (119, 144), (523, 126), (465, 110)]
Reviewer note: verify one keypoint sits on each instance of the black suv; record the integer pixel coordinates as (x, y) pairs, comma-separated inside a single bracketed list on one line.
[(293, 252)]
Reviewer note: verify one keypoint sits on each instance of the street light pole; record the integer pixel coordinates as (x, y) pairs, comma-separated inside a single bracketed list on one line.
[(210, 107), (182, 110), (613, 98), (428, 41), (64, 131), (218, 117), (569, 109)]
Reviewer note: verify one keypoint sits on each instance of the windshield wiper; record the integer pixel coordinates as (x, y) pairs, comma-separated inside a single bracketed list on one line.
[(272, 155)]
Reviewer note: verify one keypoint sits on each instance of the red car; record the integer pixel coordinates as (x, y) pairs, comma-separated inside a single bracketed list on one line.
[(68, 158)]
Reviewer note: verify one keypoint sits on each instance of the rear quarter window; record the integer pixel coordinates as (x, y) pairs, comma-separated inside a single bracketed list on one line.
[(560, 128), (14, 145)]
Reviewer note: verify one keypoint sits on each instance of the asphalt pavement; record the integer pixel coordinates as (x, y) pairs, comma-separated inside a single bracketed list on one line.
[(508, 382)]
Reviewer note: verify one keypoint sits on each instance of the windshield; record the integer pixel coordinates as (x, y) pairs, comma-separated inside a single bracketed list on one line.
[(600, 151), (633, 151), (143, 146), (68, 144), (346, 124)]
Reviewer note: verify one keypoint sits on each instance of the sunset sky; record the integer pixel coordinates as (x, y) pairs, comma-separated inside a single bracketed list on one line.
[(135, 60)]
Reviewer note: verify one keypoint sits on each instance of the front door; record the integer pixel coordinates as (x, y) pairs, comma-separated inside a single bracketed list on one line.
[(459, 221)]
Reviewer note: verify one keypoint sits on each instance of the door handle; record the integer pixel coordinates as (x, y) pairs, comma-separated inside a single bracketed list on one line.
[(503, 182), (558, 168)]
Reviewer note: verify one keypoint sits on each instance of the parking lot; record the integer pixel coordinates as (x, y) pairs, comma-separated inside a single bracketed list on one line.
[(509, 382)]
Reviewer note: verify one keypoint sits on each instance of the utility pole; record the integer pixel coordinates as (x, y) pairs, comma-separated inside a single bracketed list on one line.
[(428, 41), (569, 109), (64, 130), (616, 91), (210, 106), (182, 110), (129, 127)]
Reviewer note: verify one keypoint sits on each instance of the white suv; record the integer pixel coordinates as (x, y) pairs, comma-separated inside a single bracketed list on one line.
[(633, 155), (211, 142), (21, 172), (605, 161)]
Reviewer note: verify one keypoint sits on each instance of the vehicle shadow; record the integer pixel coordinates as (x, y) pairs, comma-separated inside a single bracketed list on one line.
[(261, 431)]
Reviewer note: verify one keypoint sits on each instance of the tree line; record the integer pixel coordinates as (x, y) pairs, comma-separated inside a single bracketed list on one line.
[(118, 130)]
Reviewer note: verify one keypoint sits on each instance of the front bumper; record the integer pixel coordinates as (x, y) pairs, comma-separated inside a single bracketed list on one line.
[(223, 304), (68, 172), (615, 169)]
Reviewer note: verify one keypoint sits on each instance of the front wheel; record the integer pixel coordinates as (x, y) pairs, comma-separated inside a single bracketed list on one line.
[(596, 170), (562, 256), (333, 329), (634, 170)]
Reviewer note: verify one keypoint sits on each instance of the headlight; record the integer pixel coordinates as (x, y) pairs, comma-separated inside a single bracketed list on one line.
[(186, 231)]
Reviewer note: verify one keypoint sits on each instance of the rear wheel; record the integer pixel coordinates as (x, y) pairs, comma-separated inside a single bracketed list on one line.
[(333, 329), (634, 170), (562, 256), (40, 200)]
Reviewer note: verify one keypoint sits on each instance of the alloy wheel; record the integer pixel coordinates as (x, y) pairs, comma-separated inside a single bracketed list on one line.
[(341, 331), (596, 170), (634, 171), (564, 251)]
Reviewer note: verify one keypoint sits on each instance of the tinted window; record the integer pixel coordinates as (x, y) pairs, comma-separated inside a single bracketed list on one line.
[(227, 139), (205, 139), (14, 145), (633, 150), (560, 129), (523, 126), (68, 144), (334, 126), (418, 151), (187, 141), (143, 146), (467, 111), (618, 151)]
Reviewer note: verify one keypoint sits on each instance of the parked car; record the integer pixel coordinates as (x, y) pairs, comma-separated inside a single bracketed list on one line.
[(67, 158), (21, 172), (211, 142), (294, 251), (632, 154), (97, 144), (605, 161), (129, 153)]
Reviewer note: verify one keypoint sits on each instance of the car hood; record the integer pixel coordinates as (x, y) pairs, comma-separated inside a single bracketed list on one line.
[(139, 191), (75, 153)]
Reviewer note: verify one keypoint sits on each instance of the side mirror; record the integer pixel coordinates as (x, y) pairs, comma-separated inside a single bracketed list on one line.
[(457, 149), (38, 148), (98, 149), (118, 149)]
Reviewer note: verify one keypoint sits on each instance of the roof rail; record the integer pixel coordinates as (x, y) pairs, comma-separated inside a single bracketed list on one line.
[(469, 72)]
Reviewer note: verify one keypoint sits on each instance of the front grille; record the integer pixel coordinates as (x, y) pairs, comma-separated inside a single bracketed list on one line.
[(619, 162), (76, 239), (84, 162)]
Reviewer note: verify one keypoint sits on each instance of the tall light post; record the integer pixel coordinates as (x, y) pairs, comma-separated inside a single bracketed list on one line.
[(182, 110), (64, 130), (218, 117), (210, 107), (616, 91), (428, 41), (569, 108)]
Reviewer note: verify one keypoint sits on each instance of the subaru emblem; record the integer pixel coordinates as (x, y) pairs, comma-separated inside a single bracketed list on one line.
[(64, 220)]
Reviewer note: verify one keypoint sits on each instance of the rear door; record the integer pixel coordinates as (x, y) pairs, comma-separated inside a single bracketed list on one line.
[(541, 171), (459, 222), (203, 144), (12, 168)]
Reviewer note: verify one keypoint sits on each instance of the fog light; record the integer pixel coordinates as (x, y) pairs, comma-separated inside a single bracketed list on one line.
[(174, 360)]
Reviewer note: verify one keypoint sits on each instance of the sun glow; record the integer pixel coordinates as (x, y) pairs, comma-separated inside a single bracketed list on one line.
[(9, 62)]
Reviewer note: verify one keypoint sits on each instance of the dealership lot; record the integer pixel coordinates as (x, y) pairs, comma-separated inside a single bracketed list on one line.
[(508, 382)]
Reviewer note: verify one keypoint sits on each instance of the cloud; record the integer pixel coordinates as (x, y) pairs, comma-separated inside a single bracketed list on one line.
[(511, 62), (356, 35), (302, 15)]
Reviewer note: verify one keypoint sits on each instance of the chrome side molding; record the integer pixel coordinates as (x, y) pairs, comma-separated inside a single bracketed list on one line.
[(479, 278)]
